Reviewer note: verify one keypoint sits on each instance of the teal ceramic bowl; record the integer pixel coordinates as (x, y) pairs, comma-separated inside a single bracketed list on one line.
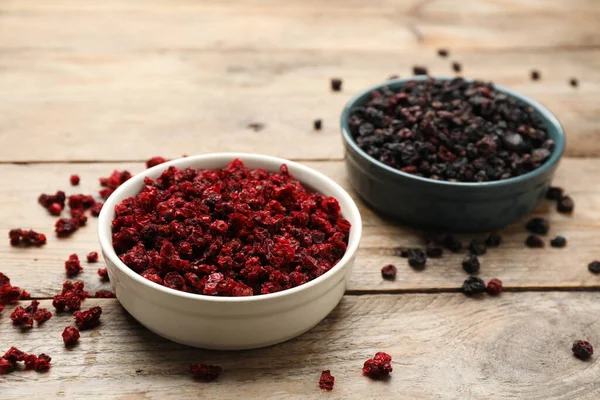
[(448, 206)]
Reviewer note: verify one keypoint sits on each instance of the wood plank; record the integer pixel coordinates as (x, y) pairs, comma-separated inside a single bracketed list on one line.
[(41, 271), (443, 346), (252, 25), (92, 106)]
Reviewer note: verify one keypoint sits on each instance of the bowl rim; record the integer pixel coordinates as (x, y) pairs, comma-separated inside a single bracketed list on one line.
[(557, 153), (107, 213)]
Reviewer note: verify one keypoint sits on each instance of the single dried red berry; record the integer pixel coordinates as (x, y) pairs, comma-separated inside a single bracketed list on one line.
[(73, 266), (30, 360), (42, 363), (25, 295), (104, 294), (5, 366), (96, 208), (389, 272), (55, 209), (74, 179), (59, 302), (48, 199), (88, 319), (154, 161), (42, 315), (494, 287), (66, 226), (92, 257), (565, 205), (26, 238), (205, 372), (21, 317), (538, 225), (81, 201), (534, 241), (70, 335), (116, 179), (78, 214), (379, 366), (582, 349), (103, 274), (336, 84), (14, 355), (326, 380)]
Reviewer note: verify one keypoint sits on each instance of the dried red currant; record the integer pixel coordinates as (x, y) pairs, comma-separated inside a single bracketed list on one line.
[(154, 161), (96, 208), (55, 209), (205, 372), (92, 257), (389, 272), (66, 226), (14, 355), (494, 287), (70, 335), (21, 317), (42, 363), (582, 349), (379, 366), (26, 238), (88, 319), (103, 274), (73, 266), (326, 380), (104, 294), (74, 179), (42, 315)]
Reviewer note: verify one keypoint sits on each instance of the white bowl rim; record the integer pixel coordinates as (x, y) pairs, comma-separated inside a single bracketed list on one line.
[(105, 223)]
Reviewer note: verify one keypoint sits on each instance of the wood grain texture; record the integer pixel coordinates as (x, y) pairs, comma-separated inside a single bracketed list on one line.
[(41, 271), (443, 346), (86, 105)]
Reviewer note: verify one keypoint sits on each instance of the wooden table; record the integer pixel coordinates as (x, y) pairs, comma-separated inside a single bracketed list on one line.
[(93, 86)]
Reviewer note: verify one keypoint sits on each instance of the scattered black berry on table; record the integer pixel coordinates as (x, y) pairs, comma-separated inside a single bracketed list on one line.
[(538, 225), (477, 247), (420, 70), (389, 272), (456, 67), (452, 243), (493, 240), (434, 251), (256, 126), (573, 82), (565, 205), (582, 349), (534, 241), (471, 264), (336, 84), (318, 124), (594, 267), (473, 286), (443, 53), (535, 75), (554, 193), (558, 241), (417, 258)]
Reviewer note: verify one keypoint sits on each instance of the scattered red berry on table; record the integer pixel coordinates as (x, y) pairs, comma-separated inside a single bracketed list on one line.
[(66, 226), (88, 319), (205, 372), (26, 238), (73, 266), (116, 179), (5, 366), (326, 381), (25, 295), (96, 208), (81, 201), (42, 315), (71, 296), (494, 287), (154, 161), (55, 209), (9, 293), (389, 272), (74, 179), (582, 349), (14, 355), (70, 335), (92, 257), (46, 200), (379, 366), (104, 294), (103, 273), (42, 363), (21, 317)]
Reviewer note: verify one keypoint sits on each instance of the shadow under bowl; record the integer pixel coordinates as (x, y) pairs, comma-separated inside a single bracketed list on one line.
[(441, 205)]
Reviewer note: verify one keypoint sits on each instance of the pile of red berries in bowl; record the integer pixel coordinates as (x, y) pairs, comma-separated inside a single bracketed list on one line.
[(229, 251)]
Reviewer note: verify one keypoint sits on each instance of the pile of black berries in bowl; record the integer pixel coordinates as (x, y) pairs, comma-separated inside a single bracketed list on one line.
[(450, 154)]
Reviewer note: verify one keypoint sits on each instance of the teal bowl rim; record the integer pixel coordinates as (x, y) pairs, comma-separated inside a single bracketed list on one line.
[(559, 145)]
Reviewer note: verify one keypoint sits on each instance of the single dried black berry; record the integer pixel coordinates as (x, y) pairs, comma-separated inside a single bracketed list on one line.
[(417, 258), (477, 247), (452, 243), (535, 75), (318, 124), (573, 82), (554, 193), (594, 267), (493, 240), (443, 53), (434, 251), (401, 252), (420, 70), (471, 264), (389, 272), (256, 126), (565, 205), (538, 226), (456, 67), (473, 286), (336, 84), (558, 241), (582, 349), (534, 241)]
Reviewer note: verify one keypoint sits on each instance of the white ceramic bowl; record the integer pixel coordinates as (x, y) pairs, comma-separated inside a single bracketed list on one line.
[(229, 323)]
